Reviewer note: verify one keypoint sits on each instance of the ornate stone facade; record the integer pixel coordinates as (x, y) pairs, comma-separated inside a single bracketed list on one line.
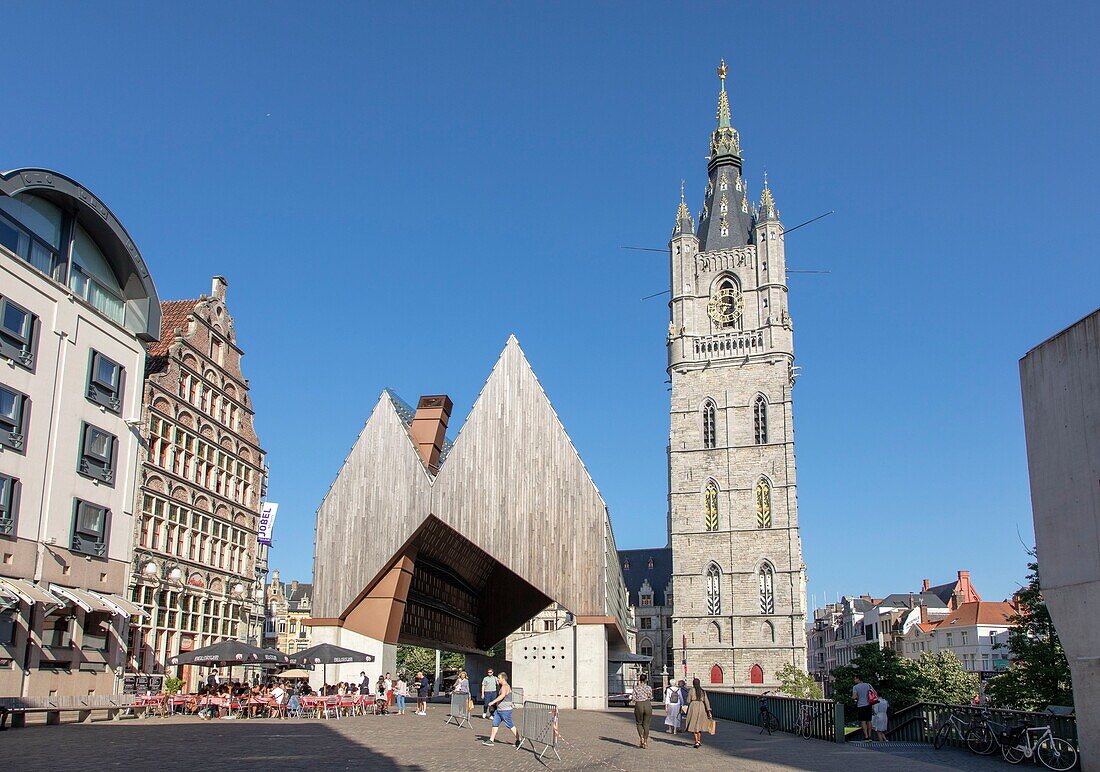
[(738, 576), (289, 607), (196, 558)]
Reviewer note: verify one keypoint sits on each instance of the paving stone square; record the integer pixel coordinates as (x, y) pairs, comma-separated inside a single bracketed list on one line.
[(591, 740)]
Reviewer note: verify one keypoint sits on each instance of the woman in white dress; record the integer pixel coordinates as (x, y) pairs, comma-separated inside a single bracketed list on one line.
[(673, 718), (879, 719)]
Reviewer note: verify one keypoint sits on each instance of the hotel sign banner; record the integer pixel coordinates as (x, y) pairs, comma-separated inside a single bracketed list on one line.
[(267, 522)]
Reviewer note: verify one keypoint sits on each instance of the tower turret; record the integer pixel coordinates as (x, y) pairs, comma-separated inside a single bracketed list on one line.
[(682, 249), (725, 221), (771, 260)]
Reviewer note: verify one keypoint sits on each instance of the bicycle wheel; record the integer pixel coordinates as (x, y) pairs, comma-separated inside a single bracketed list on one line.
[(773, 723), (980, 740), (941, 735), (1057, 753), (1012, 754)]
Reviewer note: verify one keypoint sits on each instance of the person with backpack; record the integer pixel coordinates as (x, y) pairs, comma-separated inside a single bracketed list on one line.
[(865, 698)]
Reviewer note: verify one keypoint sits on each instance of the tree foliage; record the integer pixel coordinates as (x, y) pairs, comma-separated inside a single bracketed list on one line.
[(413, 658), (893, 677), (940, 677), (1039, 674), (798, 683), (173, 685)]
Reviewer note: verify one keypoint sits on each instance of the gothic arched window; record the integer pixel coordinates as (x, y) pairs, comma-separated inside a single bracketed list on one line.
[(714, 590), (767, 589), (715, 674), (710, 504), (769, 632), (715, 632), (760, 419), (710, 433), (763, 504)]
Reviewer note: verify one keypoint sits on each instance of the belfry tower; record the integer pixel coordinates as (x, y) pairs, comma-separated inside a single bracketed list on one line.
[(739, 584)]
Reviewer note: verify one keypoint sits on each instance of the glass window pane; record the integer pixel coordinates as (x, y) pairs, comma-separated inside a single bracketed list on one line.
[(15, 320), (91, 519), (11, 238), (91, 260), (106, 371), (99, 443), (9, 404), (36, 214)]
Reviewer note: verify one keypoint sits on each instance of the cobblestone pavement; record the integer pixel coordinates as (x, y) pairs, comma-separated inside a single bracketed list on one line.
[(592, 740)]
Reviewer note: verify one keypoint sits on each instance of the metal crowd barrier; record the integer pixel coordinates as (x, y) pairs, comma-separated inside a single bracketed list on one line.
[(540, 725), (460, 710)]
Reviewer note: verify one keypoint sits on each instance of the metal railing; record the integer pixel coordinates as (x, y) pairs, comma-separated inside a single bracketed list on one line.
[(824, 718), (918, 723)]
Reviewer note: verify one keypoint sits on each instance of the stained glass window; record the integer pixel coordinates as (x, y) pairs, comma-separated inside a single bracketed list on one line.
[(763, 504), (710, 500)]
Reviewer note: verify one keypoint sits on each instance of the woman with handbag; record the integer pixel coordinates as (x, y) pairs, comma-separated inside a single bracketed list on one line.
[(673, 716), (699, 718)]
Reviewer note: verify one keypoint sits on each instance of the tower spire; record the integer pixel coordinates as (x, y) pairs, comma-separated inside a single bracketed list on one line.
[(684, 223), (767, 210), (725, 222)]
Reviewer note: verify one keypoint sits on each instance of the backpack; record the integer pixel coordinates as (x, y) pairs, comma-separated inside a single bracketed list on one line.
[(872, 696)]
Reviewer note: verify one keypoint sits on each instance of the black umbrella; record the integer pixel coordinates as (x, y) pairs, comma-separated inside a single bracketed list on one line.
[(229, 653), (328, 654)]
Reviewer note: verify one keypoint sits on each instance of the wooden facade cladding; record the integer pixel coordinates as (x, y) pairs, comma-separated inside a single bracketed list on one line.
[(512, 484)]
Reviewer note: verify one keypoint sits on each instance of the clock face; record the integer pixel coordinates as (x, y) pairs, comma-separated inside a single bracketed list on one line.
[(725, 305)]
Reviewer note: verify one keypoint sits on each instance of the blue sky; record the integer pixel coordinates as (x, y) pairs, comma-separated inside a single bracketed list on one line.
[(391, 191)]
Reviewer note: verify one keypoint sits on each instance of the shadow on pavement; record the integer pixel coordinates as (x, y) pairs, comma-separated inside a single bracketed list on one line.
[(206, 746)]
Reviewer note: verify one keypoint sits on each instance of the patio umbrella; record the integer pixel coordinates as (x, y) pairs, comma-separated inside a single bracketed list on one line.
[(228, 653), (328, 654), (295, 673)]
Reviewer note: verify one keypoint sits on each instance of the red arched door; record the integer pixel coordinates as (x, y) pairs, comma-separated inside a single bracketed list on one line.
[(756, 675), (716, 675)]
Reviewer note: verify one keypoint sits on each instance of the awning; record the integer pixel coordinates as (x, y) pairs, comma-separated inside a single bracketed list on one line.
[(83, 598), (122, 606), (628, 657), (30, 592)]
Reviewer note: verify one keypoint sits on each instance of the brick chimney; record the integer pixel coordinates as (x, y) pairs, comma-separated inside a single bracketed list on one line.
[(218, 287), (429, 427), (923, 612), (925, 586)]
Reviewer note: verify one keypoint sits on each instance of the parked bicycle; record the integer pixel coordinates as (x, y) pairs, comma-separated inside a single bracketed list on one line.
[(768, 721), (807, 717), (1026, 742), (977, 733)]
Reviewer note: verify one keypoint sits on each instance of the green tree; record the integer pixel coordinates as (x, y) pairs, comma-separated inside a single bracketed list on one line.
[(413, 658), (893, 677), (173, 685), (941, 678), (798, 683), (1039, 674)]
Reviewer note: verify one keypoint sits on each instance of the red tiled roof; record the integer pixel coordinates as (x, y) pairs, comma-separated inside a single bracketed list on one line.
[(982, 612), (173, 316)]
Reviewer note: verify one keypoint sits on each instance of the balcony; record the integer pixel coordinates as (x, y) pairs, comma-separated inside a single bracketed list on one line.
[(729, 344)]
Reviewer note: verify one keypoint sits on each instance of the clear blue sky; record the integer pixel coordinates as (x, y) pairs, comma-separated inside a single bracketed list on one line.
[(391, 191)]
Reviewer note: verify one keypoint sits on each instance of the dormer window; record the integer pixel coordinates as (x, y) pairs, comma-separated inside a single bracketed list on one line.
[(650, 563), (647, 599), (626, 564)]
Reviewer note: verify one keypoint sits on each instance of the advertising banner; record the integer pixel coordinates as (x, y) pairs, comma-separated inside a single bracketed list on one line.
[(267, 522)]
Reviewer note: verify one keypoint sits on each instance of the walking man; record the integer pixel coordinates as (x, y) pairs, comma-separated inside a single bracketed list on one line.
[(862, 693), (489, 685)]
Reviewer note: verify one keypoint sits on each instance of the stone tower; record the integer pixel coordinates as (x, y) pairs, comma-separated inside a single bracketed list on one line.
[(738, 577)]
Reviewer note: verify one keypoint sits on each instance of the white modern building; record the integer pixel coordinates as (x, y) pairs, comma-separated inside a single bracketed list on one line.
[(77, 307), (1060, 380)]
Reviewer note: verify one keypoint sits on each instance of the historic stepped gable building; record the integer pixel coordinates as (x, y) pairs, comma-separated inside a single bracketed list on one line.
[(455, 547), (202, 480), (738, 576)]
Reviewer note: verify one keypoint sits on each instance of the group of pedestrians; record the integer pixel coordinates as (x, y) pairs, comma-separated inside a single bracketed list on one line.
[(685, 708)]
